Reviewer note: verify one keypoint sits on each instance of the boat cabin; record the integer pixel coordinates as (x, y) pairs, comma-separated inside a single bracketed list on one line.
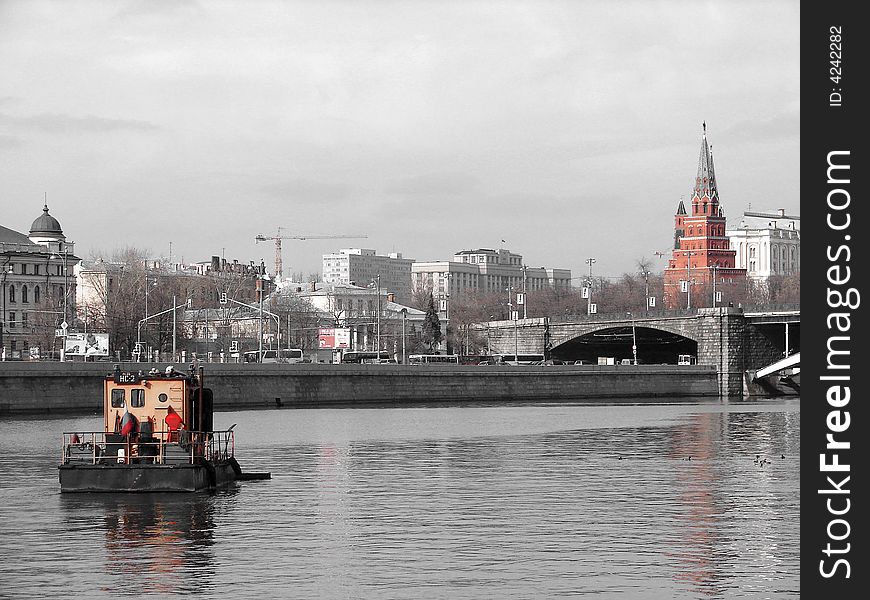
[(157, 404)]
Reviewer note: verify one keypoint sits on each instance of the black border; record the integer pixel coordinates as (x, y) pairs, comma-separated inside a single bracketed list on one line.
[(826, 128)]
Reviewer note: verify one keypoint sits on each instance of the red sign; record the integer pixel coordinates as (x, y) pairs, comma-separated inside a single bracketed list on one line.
[(334, 337)]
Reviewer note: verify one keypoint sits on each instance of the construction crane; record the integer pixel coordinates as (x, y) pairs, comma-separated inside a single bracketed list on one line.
[(279, 269)]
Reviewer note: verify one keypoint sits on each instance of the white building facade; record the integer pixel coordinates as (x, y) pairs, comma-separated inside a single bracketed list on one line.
[(485, 270), (767, 244), (363, 267)]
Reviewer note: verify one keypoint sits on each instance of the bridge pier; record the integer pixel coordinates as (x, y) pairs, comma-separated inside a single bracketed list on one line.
[(721, 335)]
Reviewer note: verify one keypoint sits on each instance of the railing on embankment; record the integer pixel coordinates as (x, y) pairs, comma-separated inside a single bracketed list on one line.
[(77, 387)]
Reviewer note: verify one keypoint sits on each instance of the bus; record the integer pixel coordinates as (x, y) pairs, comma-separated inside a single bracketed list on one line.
[(687, 359), (433, 359), (288, 356), (365, 357), (521, 359)]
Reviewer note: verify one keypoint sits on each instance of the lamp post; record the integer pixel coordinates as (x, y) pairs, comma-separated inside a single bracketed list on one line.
[(525, 310), (65, 296), (174, 313), (689, 256), (148, 282), (404, 312), (515, 318), (488, 344), (378, 330), (446, 277), (633, 338), (260, 299), (645, 273), (64, 324), (589, 261), (714, 268)]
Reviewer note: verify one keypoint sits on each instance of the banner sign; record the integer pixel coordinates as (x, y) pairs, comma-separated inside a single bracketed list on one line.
[(87, 344), (334, 337)]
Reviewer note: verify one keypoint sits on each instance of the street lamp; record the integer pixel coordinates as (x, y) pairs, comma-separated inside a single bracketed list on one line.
[(148, 282), (645, 273), (689, 256), (260, 299), (525, 310), (515, 318), (65, 282), (589, 261), (633, 337), (446, 280), (64, 324), (378, 331), (714, 269), (404, 312)]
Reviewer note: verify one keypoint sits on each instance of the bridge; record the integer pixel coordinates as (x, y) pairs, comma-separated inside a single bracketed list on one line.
[(789, 362), (728, 338)]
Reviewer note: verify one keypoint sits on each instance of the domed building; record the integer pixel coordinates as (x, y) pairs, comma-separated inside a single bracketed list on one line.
[(38, 287), (46, 231)]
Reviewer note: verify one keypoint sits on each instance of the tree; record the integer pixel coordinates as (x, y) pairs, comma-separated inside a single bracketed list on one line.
[(431, 325), (302, 320), (115, 291)]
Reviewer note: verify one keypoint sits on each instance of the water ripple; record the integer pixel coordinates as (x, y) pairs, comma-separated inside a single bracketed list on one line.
[(497, 502)]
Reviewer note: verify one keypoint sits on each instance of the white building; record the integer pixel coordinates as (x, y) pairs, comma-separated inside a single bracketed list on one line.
[(357, 308), (362, 266), (485, 270), (767, 244)]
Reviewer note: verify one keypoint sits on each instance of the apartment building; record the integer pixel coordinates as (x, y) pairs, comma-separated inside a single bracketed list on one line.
[(364, 267)]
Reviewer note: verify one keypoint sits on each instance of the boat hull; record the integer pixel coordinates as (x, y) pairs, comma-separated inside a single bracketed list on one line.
[(145, 477)]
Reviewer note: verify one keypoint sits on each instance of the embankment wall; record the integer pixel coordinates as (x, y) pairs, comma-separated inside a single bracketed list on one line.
[(77, 387)]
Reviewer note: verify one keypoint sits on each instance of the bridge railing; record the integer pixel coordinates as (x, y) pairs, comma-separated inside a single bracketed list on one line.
[(662, 313), (622, 316)]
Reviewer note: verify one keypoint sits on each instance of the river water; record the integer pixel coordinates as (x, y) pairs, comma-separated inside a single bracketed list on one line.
[(689, 499)]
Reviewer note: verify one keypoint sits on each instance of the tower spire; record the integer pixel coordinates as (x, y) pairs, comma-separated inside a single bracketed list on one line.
[(705, 181)]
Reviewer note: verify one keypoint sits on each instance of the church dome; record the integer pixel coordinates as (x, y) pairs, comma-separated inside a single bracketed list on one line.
[(45, 225)]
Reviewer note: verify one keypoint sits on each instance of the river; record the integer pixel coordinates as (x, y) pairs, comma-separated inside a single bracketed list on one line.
[(688, 499)]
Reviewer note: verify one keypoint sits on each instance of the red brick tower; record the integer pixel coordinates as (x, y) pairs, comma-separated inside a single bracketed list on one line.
[(701, 249)]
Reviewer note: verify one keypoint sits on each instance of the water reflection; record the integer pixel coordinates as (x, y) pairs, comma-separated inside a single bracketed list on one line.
[(152, 543), (727, 501)]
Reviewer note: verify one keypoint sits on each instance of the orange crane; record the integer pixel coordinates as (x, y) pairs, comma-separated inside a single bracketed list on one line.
[(278, 262)]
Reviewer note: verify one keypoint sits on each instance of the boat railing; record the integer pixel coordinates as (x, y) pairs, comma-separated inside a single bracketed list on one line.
[(160, 447)]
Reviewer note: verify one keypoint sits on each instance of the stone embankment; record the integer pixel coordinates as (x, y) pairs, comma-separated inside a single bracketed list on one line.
[(77, 387)]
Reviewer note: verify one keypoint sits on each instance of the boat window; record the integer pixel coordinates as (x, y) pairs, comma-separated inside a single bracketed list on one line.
[(163, 397), (137, 398), (117, 398)]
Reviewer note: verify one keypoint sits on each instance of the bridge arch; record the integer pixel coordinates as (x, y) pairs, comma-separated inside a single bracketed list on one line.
[(655, 345)]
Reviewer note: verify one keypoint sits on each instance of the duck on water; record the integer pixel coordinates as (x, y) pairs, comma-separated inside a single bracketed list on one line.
[(158, 436)]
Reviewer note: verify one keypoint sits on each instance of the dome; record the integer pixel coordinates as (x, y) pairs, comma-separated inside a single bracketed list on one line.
[(45, 224)]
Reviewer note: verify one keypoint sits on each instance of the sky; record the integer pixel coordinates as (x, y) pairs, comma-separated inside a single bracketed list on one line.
[(568, 129)]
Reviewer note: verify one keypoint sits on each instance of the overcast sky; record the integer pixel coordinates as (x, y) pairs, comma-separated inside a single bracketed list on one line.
[(568, 129)]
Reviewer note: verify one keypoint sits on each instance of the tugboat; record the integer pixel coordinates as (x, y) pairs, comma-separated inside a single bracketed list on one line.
[(158, 436)]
